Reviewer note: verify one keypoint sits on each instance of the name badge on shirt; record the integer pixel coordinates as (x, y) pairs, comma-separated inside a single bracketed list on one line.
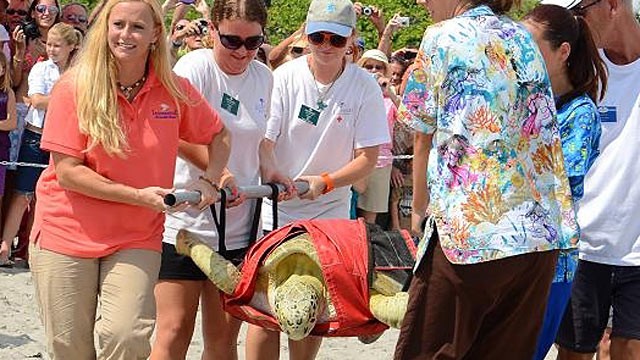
[(230, 103), (309, 115), (608, 114)]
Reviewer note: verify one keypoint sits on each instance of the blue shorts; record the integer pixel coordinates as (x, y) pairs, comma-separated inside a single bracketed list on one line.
[(27, 176), (556, 305)]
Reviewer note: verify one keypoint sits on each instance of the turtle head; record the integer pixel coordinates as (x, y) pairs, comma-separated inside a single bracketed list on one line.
[(299, 301)]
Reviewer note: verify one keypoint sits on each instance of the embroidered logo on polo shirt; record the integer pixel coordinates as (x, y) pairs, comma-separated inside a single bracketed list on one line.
[(164, 112)]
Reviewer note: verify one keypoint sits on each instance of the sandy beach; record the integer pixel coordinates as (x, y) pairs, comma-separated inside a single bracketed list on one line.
[(22, 336)]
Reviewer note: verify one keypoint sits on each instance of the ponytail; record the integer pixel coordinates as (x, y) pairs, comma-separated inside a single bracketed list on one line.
[(587, 71), (79, 38)]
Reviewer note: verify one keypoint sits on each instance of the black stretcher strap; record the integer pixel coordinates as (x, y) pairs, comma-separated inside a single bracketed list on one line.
[(221, 223), (253, 236), (275, 194)]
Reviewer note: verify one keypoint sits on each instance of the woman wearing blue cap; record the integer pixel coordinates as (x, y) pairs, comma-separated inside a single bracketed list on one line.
[(326, 122)]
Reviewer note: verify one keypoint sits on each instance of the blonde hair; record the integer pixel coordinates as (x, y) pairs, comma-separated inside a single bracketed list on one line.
[(5, 79), (97, 97), (70, 35)]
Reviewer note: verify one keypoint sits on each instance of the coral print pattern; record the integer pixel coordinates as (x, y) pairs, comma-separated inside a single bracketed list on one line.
[(496, 175)]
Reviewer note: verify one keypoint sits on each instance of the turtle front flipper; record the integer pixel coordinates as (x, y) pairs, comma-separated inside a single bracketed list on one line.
[(389, 310), (219, 270)]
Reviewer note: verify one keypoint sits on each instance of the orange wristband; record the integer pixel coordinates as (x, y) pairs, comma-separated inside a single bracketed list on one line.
[(330, 185)]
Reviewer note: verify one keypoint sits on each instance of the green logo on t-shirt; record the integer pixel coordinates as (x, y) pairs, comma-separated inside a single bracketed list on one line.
[(309, 115), (230, 104)]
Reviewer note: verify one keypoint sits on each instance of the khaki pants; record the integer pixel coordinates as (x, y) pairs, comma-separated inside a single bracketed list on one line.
[(120, 286), (376, 197)]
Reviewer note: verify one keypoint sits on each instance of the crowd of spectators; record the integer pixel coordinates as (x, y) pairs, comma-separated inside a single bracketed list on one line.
[(23, 38), (506, 121)]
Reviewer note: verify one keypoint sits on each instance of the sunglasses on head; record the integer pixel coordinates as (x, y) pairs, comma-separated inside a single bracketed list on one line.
[(14, 11), (234, 42), (371, 67), (581, 10), (44, 8), (321, 38), (76, 18)]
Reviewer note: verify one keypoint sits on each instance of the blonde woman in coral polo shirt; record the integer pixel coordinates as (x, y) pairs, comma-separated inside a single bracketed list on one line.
[(114, 125)]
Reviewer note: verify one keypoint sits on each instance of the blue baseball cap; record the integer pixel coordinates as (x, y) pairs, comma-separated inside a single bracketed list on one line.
[(334, 16)]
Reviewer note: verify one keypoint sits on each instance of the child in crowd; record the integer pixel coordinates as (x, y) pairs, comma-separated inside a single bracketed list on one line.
[(7, 123)]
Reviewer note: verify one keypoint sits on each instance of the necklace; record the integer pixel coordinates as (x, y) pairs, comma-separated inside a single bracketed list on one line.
[(320, 103), (128, 90), (232, 84)]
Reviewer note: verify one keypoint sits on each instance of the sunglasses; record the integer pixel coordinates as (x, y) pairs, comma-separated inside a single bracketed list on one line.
[(234, 42), (321, 38), (76, 18), (297, 50), (581, 10), (44, 8), (371, 67), (14, 11)]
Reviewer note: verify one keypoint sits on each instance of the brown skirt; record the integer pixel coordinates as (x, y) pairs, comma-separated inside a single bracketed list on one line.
[(491, 310)]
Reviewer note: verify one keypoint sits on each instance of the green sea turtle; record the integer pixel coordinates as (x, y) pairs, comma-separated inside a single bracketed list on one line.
[(291, 287)]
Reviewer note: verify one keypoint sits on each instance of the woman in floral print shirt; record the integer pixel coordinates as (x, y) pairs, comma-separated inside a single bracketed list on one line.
[(499, 201)]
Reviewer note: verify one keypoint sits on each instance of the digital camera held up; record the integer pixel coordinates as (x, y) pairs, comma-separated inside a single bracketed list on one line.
[(203, 26), (403, 21), (30, 29), (367, 11)]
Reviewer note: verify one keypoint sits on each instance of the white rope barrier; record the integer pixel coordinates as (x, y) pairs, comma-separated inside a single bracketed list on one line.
[(19, 163), (27, 164), (396, 157)]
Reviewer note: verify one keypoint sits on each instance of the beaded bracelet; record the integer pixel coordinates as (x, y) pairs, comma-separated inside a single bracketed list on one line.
[(213, 185)]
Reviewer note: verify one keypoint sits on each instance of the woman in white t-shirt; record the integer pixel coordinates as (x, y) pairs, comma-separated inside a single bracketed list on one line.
[(326, 123), (239, 89)]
